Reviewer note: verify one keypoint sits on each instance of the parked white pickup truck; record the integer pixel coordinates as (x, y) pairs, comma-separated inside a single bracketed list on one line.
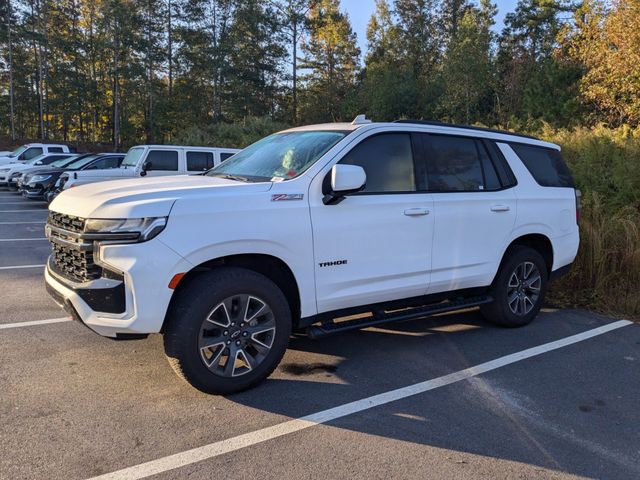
[(32, 150), (153, 161)]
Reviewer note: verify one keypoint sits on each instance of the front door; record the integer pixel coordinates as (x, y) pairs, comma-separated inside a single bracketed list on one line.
[(375, 245)]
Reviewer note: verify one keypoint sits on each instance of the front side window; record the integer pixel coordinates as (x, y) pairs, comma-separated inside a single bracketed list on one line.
[(163, 160), (387, 159), (32, 153), (278, 157), (199, 161), (453, 164)]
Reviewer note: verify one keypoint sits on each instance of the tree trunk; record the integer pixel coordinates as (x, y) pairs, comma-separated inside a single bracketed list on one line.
[(170, 49), (12, 118), (295, 71), (116, 87)]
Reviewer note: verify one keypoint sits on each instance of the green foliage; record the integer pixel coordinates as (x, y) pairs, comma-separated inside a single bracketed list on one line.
[(606, 167), (237, 135)]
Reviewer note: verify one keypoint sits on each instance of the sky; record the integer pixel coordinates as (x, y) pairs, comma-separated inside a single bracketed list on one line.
[(360, 11)]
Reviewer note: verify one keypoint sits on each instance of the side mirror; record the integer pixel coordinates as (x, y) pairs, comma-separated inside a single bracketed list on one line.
[(39, 162), (146, 166), (344, 179)]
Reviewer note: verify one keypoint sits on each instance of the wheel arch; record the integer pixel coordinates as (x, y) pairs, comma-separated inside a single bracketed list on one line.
[(537, 241), (274, 268)]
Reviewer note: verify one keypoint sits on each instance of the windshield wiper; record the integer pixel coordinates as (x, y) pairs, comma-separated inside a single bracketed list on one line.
[(237, 178)]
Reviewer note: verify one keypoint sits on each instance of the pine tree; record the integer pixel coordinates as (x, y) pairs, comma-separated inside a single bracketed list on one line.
[(331, 57)]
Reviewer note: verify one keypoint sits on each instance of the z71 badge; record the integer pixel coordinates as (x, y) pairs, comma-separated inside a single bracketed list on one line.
[(283, 197)]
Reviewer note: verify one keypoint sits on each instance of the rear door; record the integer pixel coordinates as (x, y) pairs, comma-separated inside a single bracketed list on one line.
[(474, 211)]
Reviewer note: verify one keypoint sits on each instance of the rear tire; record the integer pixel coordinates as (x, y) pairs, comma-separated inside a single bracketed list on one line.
[(227, 330), (518, 289)]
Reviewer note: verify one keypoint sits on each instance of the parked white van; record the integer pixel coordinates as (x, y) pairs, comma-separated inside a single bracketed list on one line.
[(153, 161)]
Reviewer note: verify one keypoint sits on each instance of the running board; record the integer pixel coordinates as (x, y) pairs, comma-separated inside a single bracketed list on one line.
[(329, 328)]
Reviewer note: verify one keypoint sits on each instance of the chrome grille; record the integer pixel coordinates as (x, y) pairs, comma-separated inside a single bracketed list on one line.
[(67, 222), (72, 258)]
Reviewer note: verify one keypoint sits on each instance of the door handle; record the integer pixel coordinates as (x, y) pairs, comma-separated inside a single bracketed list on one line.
[(500, 208), (414, 212)]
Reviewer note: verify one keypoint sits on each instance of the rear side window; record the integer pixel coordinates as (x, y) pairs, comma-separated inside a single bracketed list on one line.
[(225, 155), (545, 165), (55, 149), (199, 161), (163, 160), (387, 160), (453, 164)]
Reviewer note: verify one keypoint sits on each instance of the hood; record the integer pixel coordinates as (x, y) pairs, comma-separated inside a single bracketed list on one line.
[(4, 160), (145, 197), (20, 167), (11, 165)]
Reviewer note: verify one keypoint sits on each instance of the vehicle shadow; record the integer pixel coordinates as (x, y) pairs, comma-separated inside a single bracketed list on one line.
[(473, 416)]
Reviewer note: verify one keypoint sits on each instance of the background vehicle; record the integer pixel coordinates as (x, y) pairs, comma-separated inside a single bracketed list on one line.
[(390, 221), (9, 173), (153, 161), (41, 183), (32, 150)]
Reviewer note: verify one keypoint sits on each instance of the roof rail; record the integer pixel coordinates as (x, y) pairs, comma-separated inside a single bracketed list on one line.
[(436, 123)]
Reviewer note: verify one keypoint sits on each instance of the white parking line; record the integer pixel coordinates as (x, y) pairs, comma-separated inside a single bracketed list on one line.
[(17, 267), (216, 449), (34, 322), (21, 239)]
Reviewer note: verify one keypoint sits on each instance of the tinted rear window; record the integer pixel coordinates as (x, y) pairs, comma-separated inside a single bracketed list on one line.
[(199, 161), (453, 165), (545, 165)]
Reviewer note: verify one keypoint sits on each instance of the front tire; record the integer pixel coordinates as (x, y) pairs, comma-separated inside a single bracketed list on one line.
[(518, 289), (227, 330)]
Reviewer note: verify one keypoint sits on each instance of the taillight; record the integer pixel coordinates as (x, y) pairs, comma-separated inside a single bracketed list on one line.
[(578, 204)]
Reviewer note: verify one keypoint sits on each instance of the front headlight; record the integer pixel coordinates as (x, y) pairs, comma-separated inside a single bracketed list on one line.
[(4, 170), (38, 178), (140, 229)]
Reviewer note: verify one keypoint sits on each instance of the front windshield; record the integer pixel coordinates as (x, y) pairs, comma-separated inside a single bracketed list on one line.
[(78, 163), (17, 151), (63, 162), (132, 157), (281, 156)]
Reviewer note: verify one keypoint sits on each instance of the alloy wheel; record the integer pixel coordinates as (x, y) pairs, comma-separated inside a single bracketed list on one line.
[(523, 289), (237, 335)]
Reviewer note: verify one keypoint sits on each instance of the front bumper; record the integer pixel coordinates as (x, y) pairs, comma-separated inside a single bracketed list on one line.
[(143, 296)]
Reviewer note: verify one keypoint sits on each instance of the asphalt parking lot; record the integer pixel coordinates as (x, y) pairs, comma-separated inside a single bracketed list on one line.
[(445, 397)]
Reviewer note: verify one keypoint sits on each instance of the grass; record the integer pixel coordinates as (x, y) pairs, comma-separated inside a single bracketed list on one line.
[(606, 274)]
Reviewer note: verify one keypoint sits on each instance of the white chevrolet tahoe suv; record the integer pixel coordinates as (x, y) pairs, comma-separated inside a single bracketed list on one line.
[(388, 221), (152, 161)]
